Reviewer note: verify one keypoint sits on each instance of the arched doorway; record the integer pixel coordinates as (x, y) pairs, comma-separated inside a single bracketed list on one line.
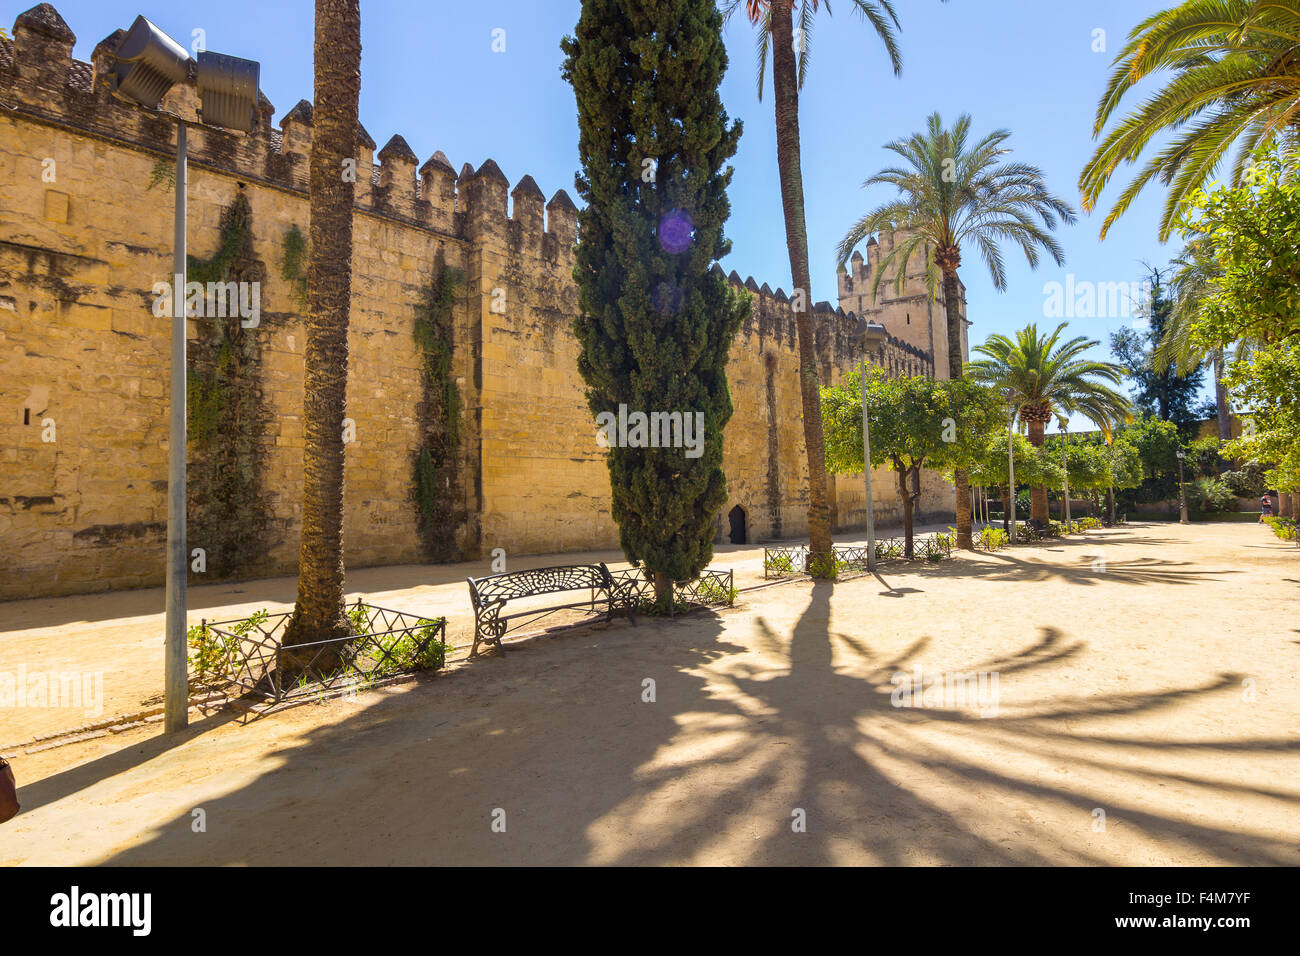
[(738, 529)]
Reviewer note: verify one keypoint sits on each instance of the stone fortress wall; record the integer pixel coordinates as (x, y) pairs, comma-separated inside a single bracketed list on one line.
[(84, 237)]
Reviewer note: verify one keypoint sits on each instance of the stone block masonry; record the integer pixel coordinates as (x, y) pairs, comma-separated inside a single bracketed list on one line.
[(83, 409)]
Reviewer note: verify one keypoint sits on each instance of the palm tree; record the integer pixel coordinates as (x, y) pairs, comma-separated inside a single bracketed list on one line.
[(775, 19), (1234, 70), (318, 614), (1044, 377), (953, 193)]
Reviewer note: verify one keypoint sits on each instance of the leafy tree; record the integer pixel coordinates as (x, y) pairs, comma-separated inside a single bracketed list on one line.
[(1255, 306), (953, 194), (1085, 463), (1205, 458), (1157, 443), (318, 614), (775, 22), (1044, 377), (1032, 467), (1230, 76), (916, 422), (656, 322), (1160, 390), (1268, 387)]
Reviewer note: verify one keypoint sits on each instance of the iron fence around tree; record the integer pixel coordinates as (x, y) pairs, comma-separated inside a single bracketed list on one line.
[(713, 588), (799, 559), (249, 656)]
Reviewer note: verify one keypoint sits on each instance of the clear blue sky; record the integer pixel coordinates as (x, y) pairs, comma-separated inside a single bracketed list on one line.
[(429, 73)]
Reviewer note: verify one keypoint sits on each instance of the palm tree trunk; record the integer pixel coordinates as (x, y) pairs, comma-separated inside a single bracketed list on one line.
[(961, 478), (318, 614), (1038, 494), (785, 84), (1221, 398)]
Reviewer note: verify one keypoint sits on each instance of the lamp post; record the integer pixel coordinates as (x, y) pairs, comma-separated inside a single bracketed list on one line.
[(1011, 463), (1065, 464), (1182, 490), (871, 334), (148, 63)]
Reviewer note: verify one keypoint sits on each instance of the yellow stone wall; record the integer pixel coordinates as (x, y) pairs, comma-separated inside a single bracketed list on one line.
[(83, 240)]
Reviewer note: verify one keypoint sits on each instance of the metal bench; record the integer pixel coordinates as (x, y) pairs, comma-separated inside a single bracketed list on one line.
[(492, 593)]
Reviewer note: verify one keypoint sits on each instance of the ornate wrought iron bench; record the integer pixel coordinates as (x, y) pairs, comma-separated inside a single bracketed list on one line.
[(492, 593)]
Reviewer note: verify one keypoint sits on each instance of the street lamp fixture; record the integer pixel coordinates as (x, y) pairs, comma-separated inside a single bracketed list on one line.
[(871, 335), (147, 65)]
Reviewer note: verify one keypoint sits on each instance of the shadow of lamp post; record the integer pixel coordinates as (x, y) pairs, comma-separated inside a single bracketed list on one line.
[(871, 335), (148, 63)]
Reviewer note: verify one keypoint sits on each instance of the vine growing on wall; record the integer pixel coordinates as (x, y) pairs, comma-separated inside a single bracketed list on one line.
[(293, 259), (436, 472), (229, 515)]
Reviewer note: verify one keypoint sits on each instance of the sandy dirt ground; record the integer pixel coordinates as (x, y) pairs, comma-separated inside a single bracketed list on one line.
[(1147, 712), (114, 641)]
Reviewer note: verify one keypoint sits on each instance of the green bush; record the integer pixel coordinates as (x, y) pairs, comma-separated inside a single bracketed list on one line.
[(711, 591), (1210, 496), (406, 654), (991, 538), (1284, 528), (211, 654), (1249, 482)]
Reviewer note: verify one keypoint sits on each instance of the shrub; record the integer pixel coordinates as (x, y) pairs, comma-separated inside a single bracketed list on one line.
[(778, 563), (1284, 528), (1210, 496), (991, 538), (211, 654), (711, 591), (1249, 482), (406, 654)]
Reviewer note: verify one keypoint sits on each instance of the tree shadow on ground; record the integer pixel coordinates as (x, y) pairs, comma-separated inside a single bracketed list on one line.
[(558, 737), (1091, 567)]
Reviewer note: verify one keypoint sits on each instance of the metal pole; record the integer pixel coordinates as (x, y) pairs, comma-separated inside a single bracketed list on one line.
[(1011, 474), (176, 686), (866, 471), (1182, 493), (1065, 507)]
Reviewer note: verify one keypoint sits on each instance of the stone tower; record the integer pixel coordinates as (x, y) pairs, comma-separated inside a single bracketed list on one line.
[(911, 316)]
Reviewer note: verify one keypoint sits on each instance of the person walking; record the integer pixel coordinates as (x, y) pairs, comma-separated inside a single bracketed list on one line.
[(1265, 507)]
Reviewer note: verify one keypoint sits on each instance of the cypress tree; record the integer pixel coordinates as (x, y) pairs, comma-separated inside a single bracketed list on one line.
[(655, 321)]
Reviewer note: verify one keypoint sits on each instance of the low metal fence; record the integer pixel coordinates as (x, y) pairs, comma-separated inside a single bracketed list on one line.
[(249, 656)]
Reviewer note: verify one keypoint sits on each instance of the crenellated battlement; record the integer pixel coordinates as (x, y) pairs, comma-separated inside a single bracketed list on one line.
[(773, 318), (40, 81)]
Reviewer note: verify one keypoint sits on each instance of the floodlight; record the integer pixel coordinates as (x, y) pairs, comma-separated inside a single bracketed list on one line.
[(148, 64), (227, 90)]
